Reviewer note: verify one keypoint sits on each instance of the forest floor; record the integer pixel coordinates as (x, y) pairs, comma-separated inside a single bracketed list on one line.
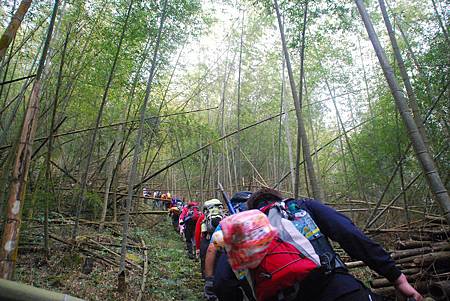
[(171, 275)]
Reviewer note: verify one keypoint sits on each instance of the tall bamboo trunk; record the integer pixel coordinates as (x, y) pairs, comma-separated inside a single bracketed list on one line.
[(441, 23), (286, 124), (404, 74), (425, 159), (48, 157), (110, 175), (311, 124), (5, 74), (316, 188), (402, 178), (413, 56), (97, 124), (344, 165), (359, 175), (280, 125), (17, 189), (134, 166), (300, 100), (289, 145), (13, 26), (238, 136)]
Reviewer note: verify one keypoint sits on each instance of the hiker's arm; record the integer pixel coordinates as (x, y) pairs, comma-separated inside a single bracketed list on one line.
[(209, 260), (341, 229)]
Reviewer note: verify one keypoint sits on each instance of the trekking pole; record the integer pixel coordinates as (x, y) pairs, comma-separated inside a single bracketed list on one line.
[(227, 200)]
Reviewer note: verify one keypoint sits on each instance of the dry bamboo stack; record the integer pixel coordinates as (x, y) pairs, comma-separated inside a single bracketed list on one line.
[(425, 260)]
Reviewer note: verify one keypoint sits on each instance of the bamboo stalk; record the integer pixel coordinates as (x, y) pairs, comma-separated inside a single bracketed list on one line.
[(144, 271), (13, 26), (16, 196), (423, 156), (15, 291), (316, 187)]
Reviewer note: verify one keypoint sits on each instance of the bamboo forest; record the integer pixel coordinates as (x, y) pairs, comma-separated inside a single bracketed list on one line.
[(224, 150)]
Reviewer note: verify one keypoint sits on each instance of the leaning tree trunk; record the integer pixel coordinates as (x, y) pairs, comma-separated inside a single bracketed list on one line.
[(441, 24), (11, 30), (425, 159), (300, 100), (285, 118), (280, 125), (404, 74), (16, 195), (317, 190), (84, 179), (51, 137), (137, 149), (359, 176), (117, 156), (238, 155)]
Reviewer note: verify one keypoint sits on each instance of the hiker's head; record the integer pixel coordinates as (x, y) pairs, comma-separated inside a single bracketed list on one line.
[(239, 200), (263, 197), (212, 203)]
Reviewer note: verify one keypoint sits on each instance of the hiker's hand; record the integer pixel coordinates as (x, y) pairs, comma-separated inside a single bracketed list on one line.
[(209, 289), (402, 285), (197, 254)]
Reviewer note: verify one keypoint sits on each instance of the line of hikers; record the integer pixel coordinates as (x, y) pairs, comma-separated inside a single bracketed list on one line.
[(276, 249), (160, 200)]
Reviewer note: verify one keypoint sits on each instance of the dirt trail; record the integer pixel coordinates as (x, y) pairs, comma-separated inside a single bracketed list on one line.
[(172, 276)]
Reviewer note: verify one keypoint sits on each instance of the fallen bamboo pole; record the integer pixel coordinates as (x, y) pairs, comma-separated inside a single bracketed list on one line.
[(15, 291), (112, 125), (421, 286), (432, 258), (412, 244), (383, 282)]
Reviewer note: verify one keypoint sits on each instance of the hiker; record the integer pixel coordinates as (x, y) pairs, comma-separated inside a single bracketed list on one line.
[(167, 199), (212, 213), (299, 263), (156, 199), (221, 282), (188, 218), (146, 194), (174, 212)]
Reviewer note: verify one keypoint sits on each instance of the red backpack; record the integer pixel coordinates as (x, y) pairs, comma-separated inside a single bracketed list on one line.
[(192, 215), (282, 267), (290, 259)]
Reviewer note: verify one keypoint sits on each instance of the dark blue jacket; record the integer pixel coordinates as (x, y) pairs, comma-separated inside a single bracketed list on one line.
[(341, 229)]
